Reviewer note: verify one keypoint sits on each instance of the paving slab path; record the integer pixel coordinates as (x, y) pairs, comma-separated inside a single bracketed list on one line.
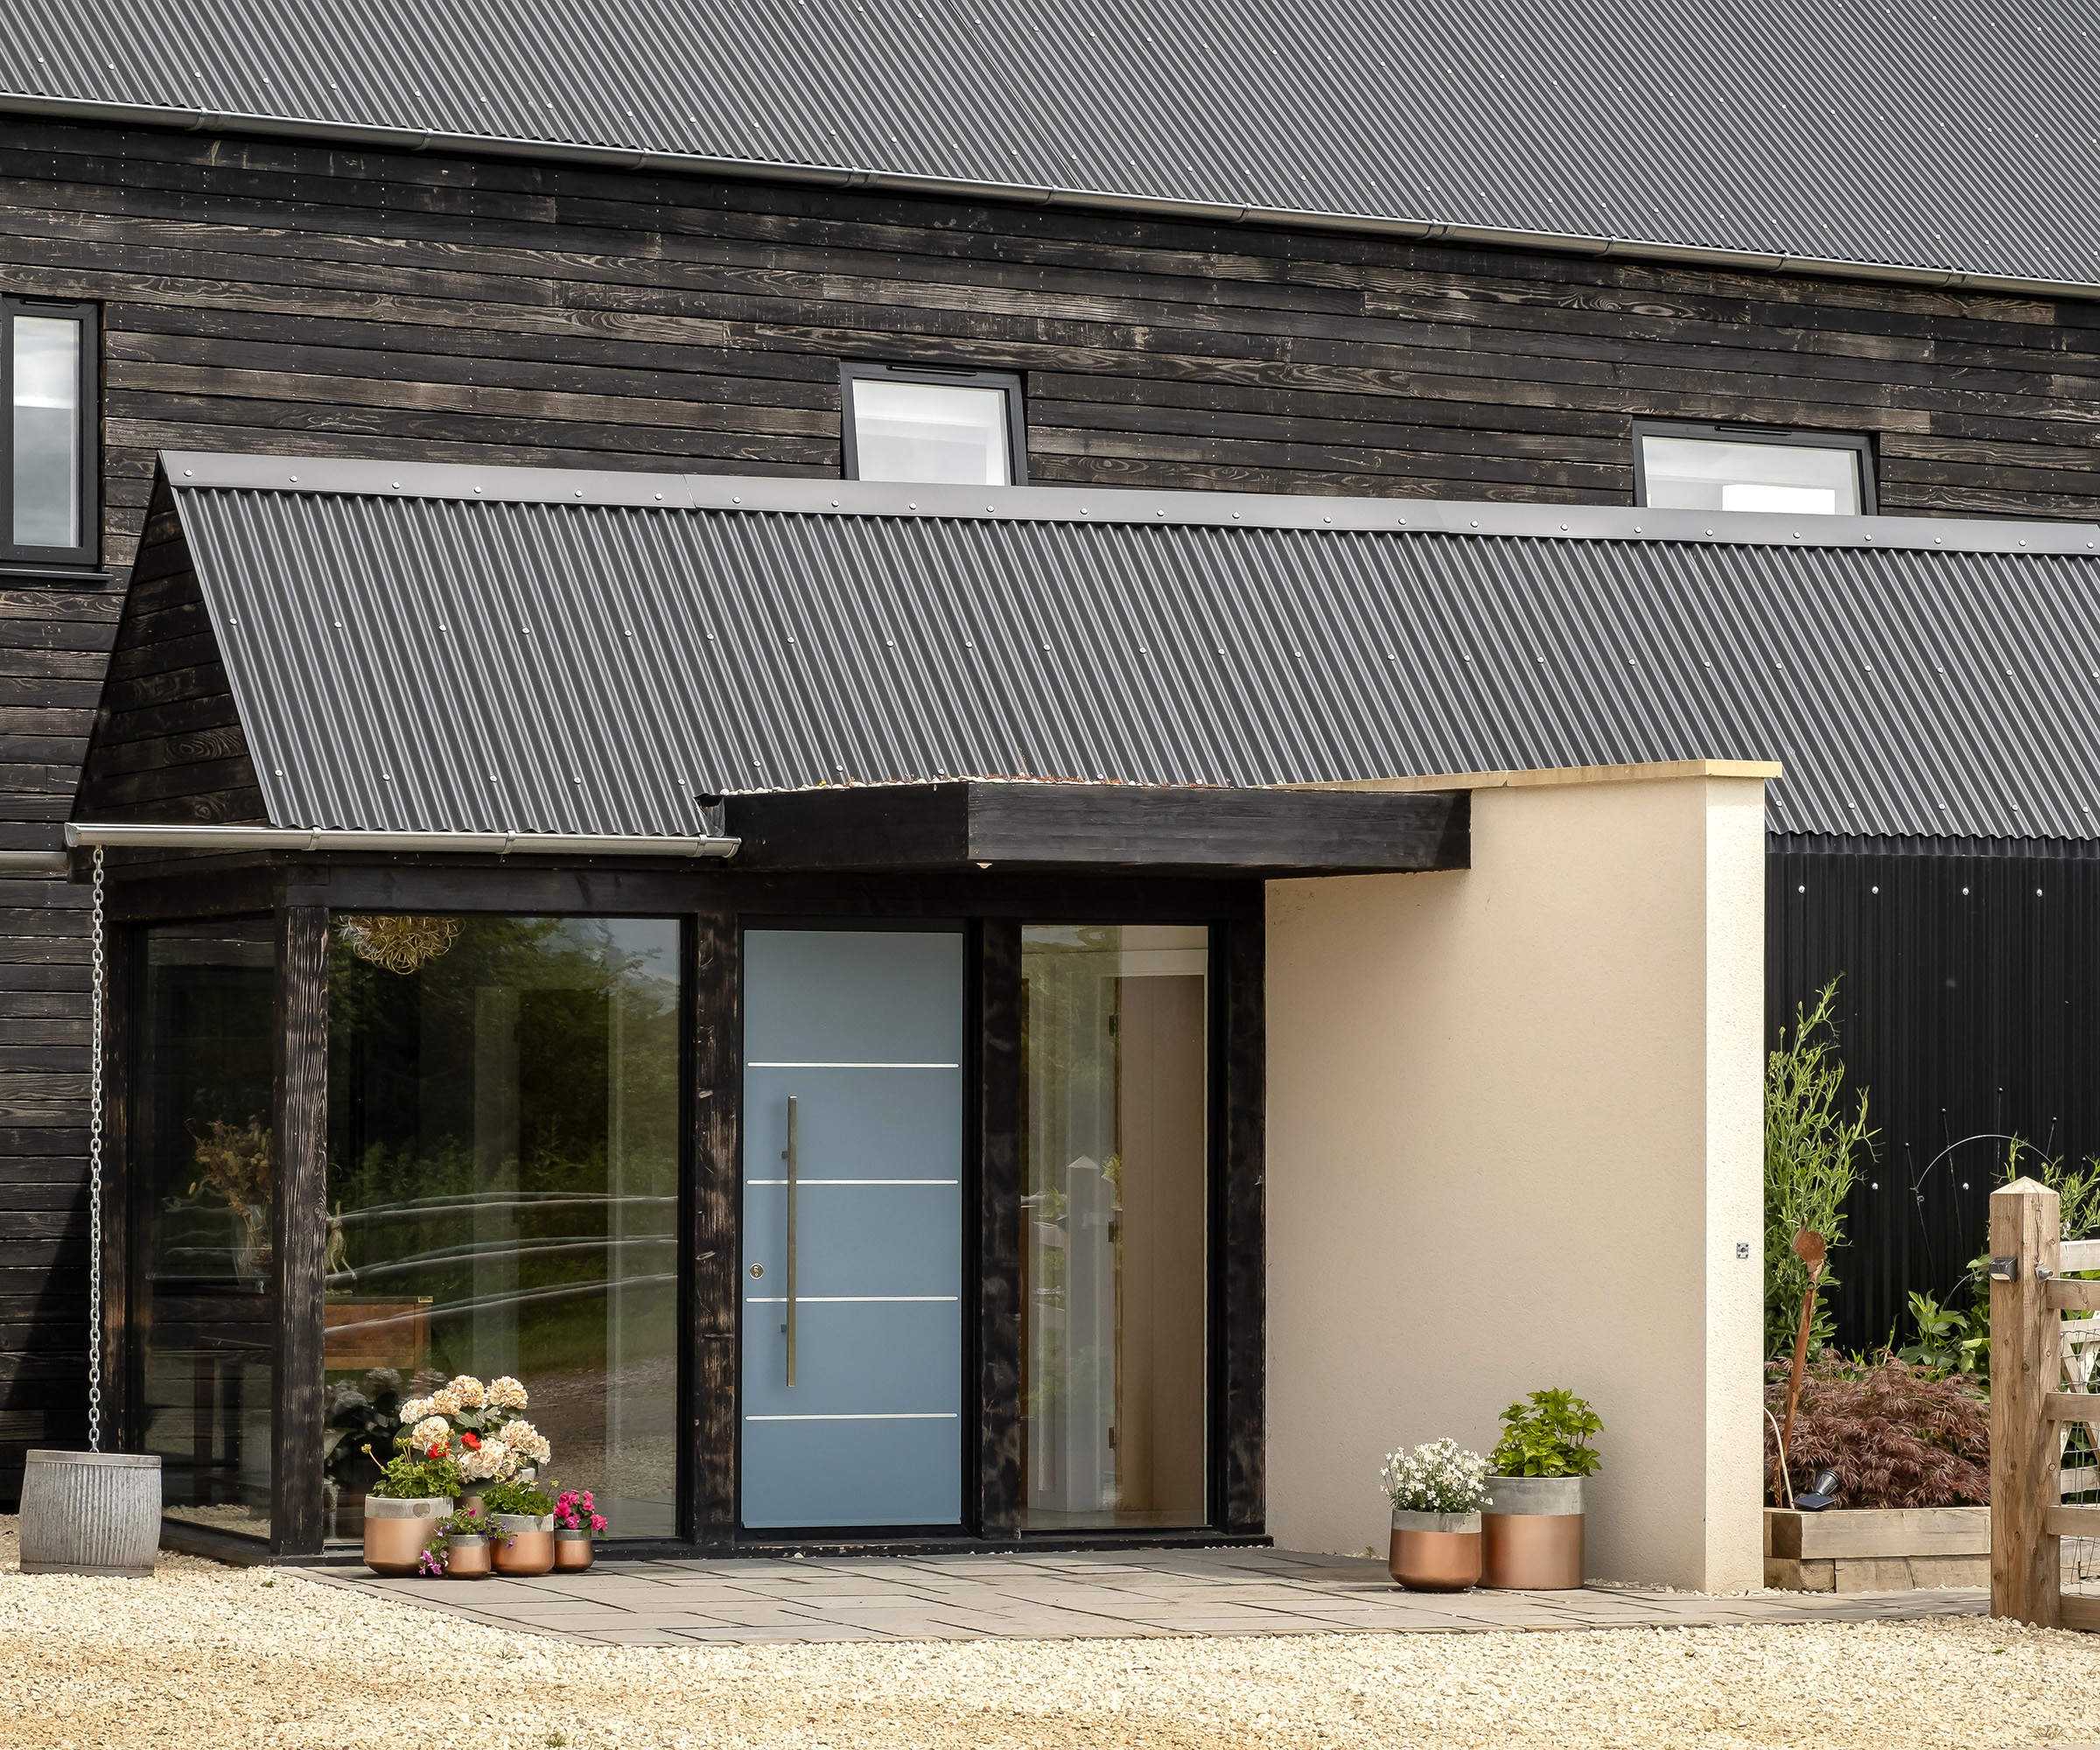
[(1114, 1595)]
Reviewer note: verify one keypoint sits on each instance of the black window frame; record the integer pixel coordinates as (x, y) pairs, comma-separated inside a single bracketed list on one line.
[(21, 561), (1785, 437), (956, 377)]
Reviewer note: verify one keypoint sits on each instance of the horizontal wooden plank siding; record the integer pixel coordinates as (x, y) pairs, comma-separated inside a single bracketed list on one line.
[(276, 297)]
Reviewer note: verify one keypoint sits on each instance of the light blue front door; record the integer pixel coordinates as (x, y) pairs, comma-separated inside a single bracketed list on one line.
[(852, 1389)]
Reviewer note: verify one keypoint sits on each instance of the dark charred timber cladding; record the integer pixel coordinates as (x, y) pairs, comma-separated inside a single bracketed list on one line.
[(273, 297)]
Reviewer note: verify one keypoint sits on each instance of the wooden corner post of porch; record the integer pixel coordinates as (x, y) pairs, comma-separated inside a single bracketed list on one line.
[(2025, 1231)]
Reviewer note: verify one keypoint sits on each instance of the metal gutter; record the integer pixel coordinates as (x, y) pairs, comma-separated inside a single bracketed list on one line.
[(957, 188), (80, 835)]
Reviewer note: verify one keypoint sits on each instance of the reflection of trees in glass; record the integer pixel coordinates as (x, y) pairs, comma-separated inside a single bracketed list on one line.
[(503, 1151)]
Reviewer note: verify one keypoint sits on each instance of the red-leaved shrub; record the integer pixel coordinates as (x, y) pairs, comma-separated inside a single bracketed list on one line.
[(1897, 1435)]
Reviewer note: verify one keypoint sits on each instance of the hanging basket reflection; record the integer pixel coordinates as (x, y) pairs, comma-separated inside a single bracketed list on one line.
[(398, 944)]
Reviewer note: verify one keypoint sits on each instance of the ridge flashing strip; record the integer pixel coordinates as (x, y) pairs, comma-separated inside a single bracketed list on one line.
[(190, 471), (1660, 771)]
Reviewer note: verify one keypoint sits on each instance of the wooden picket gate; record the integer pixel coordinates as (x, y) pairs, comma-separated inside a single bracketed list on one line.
[(2041, 1370)]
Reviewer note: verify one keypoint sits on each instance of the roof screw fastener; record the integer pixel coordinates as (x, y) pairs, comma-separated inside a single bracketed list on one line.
[(186, 472), (295, 480), (1236, 516)]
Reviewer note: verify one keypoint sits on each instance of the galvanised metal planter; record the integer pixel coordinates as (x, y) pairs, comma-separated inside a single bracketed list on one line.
[(395, 1530), (90, 1513), (1532, 1534), (1435, 1551)]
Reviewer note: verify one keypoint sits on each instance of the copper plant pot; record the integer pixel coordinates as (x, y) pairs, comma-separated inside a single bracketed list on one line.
[(573, 1551), (1533, 1535), (524, 1546), (397, 1530), (466, 1558), (1435, 1551)]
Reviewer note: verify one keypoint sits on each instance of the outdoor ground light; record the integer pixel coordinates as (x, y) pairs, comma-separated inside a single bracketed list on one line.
[(1821, 1491)]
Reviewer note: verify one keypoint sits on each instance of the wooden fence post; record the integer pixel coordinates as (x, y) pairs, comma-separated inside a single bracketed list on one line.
[(2025, 1364)]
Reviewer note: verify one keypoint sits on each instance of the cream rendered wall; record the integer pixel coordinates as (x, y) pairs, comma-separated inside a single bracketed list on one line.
[(1514, 1141)]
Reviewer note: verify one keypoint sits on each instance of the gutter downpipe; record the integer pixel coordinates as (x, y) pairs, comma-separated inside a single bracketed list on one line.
[(82, 834)]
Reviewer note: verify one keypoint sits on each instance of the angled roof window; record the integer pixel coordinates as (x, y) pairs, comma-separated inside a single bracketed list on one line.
[(1710, 467), (953, 427)]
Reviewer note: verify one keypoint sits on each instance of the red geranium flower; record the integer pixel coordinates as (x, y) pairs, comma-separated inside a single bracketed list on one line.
[(471, 1442)]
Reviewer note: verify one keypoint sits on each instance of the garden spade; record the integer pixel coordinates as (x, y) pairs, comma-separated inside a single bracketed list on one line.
[(1807, 1247)]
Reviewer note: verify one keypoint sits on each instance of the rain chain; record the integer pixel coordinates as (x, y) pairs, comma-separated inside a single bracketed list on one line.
[(94, 1176)]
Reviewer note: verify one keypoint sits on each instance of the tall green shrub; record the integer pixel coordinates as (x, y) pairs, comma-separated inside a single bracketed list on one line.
[(1809, 1147)]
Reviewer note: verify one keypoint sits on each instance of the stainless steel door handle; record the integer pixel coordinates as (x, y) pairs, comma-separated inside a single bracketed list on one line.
[(793, 1149)]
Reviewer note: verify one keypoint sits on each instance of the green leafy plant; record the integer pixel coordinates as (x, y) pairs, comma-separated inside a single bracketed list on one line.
[(1547, 1435), (403, 1478), (1949, 1341), (522, 1498), (1809, 1148)]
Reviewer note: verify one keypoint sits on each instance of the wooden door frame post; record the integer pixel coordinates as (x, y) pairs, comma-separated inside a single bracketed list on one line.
[(300, 1221), (2025, 1230)]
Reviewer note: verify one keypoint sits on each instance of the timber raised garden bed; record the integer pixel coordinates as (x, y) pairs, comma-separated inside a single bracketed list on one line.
[(1877, 1549)]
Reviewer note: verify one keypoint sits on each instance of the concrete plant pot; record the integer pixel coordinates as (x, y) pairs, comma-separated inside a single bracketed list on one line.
[(395, 1530), (1532, 1534), (90, 1513), (1435, 1551)]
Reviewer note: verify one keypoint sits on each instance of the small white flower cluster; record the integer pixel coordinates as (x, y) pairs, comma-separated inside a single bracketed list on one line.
[(526, 1441), (1437, 1478), (506, 1394), (488, 1462)]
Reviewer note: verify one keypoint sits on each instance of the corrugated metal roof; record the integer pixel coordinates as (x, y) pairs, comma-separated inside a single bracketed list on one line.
[(408, 655), (1960, 143)]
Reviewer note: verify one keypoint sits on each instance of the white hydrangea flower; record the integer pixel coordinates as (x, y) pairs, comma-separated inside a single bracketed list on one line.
[(427, 1432), (415, 1409), (445, 1402), (507, 1394), (526, 1441), (491, 1459), (472, 1393)]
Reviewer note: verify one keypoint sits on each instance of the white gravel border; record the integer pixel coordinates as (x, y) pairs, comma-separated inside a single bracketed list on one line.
[(227, 1658)]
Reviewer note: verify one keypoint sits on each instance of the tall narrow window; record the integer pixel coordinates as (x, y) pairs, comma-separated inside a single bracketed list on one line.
[(1708, 467), (1114, 1234), (48, 373), (206, 1191), (503, 1191), (957, 428)]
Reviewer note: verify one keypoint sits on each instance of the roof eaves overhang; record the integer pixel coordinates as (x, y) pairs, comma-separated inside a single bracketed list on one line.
[(196, 472), (1159, 207)]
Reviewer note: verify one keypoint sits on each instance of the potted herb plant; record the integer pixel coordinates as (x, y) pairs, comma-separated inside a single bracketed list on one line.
[(411, 1495), (1532, 1528), (1438, 1493), (578, 1525), (464, 1537), (524, 1527)]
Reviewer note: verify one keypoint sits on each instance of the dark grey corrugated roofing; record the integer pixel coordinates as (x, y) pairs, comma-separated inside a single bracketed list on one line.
[(1954, 142), (501, 650)]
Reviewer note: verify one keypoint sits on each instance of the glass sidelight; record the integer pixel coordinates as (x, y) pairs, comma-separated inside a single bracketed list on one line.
[(503, 1190), (205, 1193), (1114, 1123)]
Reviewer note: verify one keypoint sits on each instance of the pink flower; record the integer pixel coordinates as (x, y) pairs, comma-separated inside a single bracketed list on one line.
[(597, 1521)]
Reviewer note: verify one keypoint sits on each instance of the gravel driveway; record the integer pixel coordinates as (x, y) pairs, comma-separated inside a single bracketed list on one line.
[(231, 1658)]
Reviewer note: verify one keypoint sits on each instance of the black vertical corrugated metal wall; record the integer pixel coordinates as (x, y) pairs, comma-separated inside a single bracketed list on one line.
[(1969, 1005)]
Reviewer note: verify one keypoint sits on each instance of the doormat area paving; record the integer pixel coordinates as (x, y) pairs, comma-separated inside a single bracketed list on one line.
[(1117, 1595)]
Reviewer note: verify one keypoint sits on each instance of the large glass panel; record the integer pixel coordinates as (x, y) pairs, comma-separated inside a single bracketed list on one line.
[(48, 431), (1706, 473), (206, 1191), (930, 432), (503, 1191), (1114, 1156)]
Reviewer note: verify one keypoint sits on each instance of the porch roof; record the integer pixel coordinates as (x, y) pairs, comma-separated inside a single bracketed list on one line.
[(416, 647)]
